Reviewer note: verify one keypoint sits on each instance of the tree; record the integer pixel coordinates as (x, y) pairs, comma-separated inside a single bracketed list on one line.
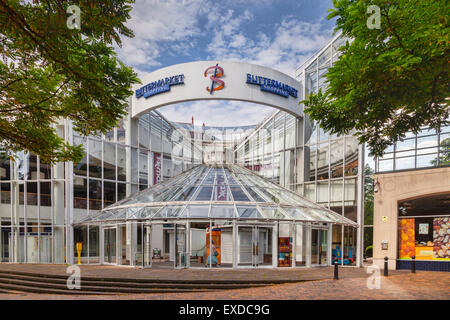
[(444, 154), (387, 81), (51, 72)]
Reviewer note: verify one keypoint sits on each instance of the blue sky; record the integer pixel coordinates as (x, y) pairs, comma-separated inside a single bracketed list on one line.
[(279, 34)]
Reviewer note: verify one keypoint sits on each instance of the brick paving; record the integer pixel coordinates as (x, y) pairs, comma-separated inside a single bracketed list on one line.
[(352, 284), (124, 272)]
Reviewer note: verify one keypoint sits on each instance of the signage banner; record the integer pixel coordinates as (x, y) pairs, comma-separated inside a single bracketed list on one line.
[(160, 86), (157, 172), (221, 188), (272, 86)]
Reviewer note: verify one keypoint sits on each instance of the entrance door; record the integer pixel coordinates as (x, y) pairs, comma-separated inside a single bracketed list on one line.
[(180, 244), (319, 246), (255, 246), (110, 245), (143, 247), (147, 246)]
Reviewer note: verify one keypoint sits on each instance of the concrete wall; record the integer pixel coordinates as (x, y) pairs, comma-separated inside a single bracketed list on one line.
[(395, 187)]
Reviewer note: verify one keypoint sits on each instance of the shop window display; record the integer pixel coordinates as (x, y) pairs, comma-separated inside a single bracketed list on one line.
[(425, 238)]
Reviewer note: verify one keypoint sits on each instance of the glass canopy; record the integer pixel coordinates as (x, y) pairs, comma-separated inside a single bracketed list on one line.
[(217, 192)]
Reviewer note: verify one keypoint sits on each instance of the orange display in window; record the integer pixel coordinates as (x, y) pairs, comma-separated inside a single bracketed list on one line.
[(406, 239), (216, 233)]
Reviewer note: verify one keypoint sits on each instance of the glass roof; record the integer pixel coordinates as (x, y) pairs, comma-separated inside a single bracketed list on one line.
[(217, 191)]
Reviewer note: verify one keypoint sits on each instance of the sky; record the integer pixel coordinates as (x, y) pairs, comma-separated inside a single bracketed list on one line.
[(279, 34)]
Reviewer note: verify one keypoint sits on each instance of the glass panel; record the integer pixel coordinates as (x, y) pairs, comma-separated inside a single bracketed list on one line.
[(180, 249), (404, 163), (121, 191), (109, 196), (285, 245), (222, 211), (95, 194), (121, 163), (95, 158), (32, 196), (46, 194), (5, 194), (109, 161), (301, 245), (245, 241), (323, 249), (221, 193), (81, 167), (110, 245), (248, 212), (238, 194), (94, 244), (204, 194), (263, 238), (368, 242), (426, 161), (314, 246), (198, 211), (170, 212), (336, 244), (349, 246)]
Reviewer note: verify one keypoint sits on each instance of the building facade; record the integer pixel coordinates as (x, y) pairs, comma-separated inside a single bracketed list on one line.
[(42, 206)]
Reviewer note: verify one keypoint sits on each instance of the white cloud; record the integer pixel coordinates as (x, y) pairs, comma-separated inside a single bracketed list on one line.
[(174, 27), (292, 42), (155, 22)]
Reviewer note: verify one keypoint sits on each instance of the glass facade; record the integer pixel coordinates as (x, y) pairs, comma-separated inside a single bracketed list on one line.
[(40, 203), (426, 149), (248, 221), (34, 196)]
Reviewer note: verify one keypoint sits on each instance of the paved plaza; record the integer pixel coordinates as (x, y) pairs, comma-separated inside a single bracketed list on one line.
[(313, 283)]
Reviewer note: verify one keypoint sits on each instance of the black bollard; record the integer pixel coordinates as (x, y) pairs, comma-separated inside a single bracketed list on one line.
[(386, 266), (413, 264), (336, 273)]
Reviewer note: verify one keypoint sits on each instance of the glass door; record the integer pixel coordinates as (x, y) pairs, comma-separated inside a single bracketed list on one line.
[(246, 246), (255, 246), (147, 246), (319, 247), (262, 249), (314, 246), (109, 245), (323, 247), (180, 243), (143, 247)]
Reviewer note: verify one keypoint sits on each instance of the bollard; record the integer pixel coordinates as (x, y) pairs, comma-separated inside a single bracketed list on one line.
[(413, 265), (336, 273), (386, 266)]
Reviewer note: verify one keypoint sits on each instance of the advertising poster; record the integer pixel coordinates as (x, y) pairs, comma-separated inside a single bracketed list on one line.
[(406, 238), (441, 238)]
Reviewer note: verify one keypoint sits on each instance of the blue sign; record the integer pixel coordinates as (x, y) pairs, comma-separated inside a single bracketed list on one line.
[(156, 87), (272, 86)]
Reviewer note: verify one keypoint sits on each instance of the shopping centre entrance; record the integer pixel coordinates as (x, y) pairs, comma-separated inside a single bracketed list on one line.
[(247, 222)]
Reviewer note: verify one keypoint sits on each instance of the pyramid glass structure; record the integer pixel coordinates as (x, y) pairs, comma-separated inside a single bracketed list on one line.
[(216, 192)]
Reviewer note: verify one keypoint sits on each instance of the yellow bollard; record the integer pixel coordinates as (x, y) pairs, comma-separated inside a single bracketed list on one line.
[(79, 248)]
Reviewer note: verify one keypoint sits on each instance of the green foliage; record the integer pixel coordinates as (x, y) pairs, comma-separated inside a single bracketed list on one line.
[(368, 195), (387, 81), (444, 154), (49, 73)]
